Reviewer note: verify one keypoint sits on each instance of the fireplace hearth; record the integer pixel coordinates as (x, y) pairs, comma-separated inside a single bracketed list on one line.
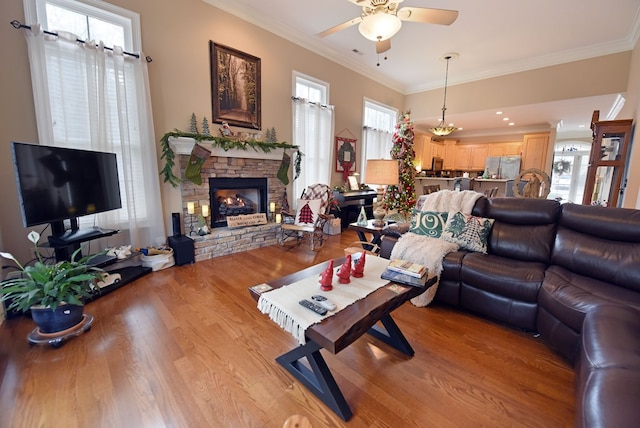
[(232, 196)]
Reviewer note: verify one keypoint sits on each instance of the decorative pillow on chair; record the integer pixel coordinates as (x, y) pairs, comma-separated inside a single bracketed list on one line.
[(429, 223), (471, 233), (307, 212)]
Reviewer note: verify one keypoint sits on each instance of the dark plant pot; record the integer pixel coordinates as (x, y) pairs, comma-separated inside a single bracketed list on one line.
[(62, 318)]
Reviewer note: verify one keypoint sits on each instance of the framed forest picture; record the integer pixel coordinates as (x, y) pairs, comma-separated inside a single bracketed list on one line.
[(235, 87)]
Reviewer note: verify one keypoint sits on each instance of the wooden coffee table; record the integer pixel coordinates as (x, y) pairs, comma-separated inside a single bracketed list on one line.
[(342, 329)]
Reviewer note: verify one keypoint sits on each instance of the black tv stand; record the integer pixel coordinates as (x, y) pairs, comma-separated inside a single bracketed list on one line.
[(77, 236)]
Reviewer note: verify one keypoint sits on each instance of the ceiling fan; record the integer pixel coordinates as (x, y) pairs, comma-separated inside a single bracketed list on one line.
[(381, 19)]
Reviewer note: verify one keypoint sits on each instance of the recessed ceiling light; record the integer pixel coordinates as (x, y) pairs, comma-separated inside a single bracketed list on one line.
[(498, 112), (511, 123), (505, 118), (460, 129), (580, 126)]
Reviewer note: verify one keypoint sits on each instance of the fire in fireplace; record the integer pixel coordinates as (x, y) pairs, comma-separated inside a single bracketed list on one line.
[(236, 196)]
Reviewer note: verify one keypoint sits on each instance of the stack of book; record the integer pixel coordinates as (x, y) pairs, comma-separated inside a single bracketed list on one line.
[(404, 272)]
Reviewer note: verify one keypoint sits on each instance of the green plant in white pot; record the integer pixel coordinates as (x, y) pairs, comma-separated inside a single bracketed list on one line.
[(53, 292)]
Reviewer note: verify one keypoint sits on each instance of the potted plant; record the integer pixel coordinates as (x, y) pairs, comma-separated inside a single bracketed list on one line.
[(53, 292)]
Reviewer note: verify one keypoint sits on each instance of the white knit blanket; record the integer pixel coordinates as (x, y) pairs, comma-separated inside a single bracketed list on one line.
[(429, 251), (281, 304), (451, 201)]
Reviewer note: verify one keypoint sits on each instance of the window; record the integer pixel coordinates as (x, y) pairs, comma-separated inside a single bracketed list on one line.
[(92, 98), (312, 131), (89, 20), (569, 172), (377, 136)]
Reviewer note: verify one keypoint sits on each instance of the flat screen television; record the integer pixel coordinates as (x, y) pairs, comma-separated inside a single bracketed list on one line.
[(57, 184)]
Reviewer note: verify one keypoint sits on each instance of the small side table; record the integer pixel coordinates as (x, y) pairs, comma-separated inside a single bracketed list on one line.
[(375, 231), (183, 249)]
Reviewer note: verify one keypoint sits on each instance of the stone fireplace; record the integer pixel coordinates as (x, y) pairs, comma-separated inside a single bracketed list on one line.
[(252, 175)]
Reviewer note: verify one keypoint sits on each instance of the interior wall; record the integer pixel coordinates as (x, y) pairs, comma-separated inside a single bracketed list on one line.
[(603, 75), (631, 110)]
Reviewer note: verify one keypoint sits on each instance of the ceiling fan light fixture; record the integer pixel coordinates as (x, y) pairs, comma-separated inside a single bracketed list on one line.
[(379, 26)]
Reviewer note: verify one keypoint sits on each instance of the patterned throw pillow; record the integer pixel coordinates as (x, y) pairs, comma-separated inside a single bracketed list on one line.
[(471, 233), (429, 223), (307, 213)]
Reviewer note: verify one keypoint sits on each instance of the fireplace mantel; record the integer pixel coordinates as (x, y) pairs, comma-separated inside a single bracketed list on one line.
[(184, 145)]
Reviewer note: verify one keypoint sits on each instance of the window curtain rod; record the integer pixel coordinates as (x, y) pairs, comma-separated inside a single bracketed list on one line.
[(17, 25), (294, 98)]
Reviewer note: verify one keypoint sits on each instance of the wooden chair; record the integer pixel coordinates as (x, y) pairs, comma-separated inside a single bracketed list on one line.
[(302, 224), (430, 188)]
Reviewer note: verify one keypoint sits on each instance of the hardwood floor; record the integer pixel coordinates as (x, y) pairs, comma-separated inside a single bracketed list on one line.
[(186, 347)]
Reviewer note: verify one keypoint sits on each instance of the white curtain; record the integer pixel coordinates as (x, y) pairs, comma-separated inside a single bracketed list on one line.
[(376, 144), (313, 132), (90, 98)]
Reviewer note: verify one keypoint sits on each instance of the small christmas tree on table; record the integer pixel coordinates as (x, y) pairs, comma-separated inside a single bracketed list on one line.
[(403, 196)]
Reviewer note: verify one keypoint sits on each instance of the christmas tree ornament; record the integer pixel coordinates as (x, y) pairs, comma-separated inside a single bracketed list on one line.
[(193, 125), (344, 273), (358, 268), (326, 278)]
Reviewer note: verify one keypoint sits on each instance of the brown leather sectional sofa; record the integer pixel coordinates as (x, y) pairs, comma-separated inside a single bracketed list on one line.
[(571, 273)]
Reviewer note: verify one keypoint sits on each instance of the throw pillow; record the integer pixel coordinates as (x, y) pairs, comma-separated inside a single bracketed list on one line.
[(429, 223), (307, 212), (471, 233)]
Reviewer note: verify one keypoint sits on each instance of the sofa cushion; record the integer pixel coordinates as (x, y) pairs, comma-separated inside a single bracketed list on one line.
[(506, 277), (569, 296), (468, 231), (524, 228), (600, 243), (428, 223), (608, 370)]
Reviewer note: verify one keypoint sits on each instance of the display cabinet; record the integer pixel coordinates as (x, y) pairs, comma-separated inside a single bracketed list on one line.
[(607, 162)]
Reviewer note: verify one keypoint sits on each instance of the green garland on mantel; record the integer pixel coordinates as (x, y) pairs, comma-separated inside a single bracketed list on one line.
[(218, 142)]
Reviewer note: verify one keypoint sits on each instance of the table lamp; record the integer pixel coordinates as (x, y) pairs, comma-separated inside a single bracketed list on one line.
[(383, 172)]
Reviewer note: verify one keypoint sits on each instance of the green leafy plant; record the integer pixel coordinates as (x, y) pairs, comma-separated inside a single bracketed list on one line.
[(50, 285)]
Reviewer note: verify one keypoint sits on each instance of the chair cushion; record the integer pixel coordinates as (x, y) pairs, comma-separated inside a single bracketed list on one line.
[(468, 231), (429, 223), (308, 210)]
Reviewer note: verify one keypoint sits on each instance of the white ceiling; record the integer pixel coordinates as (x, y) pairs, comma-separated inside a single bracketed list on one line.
[(492, 38)]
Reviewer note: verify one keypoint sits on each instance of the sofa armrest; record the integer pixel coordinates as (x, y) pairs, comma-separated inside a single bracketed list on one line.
[(386, 245)]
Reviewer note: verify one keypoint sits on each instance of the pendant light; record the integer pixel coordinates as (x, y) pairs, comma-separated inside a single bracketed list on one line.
[(442, 129)]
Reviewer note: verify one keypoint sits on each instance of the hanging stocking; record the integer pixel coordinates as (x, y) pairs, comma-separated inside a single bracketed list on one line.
[(283, 172), (198, 156)]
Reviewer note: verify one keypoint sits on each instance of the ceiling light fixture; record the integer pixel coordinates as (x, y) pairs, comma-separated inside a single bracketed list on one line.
[(379, 26), (442, 130)]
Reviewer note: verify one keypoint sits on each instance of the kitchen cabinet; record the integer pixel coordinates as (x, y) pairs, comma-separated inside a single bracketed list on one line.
[(478, 157), (463, 158), (471, 157), (505, 149), (534, 151), (450, 153)]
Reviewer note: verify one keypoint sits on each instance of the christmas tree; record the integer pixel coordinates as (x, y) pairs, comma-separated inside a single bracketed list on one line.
[(403, 196), (205, 126), (193, 124)]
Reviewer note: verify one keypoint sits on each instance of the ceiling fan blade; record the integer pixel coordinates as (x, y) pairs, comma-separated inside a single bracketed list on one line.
[(383, 46), (429, 16), (339, 27)]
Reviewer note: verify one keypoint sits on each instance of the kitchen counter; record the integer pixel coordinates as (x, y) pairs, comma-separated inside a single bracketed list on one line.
[(505, 186)]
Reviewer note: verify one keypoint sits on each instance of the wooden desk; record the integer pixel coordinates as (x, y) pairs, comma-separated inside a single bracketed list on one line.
[(342, 329)]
